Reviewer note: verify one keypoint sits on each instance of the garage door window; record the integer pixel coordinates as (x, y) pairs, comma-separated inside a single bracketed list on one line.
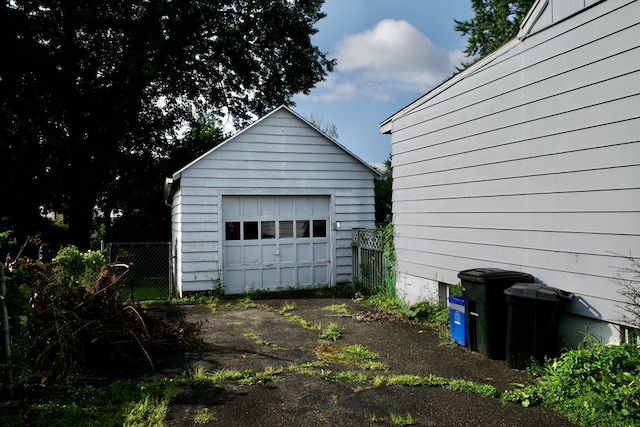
[(251, 230), (286, 229), (268, 229), (319, 228), (254, 230), (232, 230)]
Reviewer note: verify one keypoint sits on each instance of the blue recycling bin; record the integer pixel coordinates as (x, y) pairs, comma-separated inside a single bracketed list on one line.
[(456, 320)]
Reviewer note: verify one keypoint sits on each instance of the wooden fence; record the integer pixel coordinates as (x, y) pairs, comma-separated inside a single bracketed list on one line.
[(369, 266)]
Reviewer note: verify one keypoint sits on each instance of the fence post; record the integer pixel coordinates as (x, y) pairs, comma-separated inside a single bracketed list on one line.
[(5, 328)]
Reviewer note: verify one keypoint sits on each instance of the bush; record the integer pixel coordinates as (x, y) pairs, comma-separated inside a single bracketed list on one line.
[(592, 387), (72, 267)]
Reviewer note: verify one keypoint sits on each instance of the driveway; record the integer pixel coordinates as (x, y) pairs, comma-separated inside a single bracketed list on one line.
[(315, 385)]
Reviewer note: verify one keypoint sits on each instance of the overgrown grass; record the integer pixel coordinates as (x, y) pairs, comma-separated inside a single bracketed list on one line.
[(337, 308), (350, 355), (124, 402), (594, 386), (399, 420)]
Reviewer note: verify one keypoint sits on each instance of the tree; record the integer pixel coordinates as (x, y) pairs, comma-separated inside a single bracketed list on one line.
[(383, 192), (328, 128), (494, 23), (88, 89)]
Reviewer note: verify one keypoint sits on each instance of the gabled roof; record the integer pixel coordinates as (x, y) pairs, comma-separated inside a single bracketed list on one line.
[(176, 176), (172, 183)]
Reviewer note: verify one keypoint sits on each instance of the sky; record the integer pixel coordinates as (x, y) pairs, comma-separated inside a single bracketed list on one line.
[(389, 53)]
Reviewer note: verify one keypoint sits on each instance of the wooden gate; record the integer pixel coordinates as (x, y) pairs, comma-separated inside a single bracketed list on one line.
[(369, 266)]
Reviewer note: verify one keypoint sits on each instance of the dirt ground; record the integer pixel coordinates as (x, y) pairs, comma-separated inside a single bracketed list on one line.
[(239, 338)]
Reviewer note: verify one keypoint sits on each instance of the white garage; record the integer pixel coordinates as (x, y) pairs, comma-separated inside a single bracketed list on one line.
[(271, 208)]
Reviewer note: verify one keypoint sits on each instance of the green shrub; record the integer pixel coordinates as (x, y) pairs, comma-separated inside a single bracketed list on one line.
[(591, 386)]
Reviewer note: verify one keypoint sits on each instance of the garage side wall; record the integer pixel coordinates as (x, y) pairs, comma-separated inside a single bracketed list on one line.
[(529, 162), (279, 155)]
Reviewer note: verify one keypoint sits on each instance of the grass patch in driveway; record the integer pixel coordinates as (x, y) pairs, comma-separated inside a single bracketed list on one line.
[(350, 355), (337, 308)]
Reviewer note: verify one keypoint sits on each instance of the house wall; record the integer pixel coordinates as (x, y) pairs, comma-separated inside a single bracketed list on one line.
[(279, 155), (529, 162)]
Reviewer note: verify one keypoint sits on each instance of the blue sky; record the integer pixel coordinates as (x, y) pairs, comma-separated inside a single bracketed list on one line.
[(389, 53)]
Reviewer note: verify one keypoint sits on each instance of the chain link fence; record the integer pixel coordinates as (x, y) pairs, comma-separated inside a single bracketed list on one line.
[(150, 273)]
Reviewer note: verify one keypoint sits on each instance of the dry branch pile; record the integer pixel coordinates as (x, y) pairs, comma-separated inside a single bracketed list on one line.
[(83, 331)]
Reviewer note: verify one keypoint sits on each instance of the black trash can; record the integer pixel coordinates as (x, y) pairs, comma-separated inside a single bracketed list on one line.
[(532, 322), (486, 309)]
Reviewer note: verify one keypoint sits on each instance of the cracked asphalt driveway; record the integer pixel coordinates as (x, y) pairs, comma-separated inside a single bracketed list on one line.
[(312, 386)]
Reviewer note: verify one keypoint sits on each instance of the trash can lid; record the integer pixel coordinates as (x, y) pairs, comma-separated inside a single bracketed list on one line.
[(490, 276), (456, 300), (538, 292)]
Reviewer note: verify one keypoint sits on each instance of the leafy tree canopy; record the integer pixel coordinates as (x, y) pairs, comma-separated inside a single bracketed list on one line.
[(494, 23), (91, 89)]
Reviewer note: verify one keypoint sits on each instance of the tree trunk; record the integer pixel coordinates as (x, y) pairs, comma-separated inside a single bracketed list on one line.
[(80, 218)]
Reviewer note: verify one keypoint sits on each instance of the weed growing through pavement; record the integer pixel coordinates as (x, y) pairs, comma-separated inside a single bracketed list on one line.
[(350, 355), (337, 308), (331, 332), (287, 307), (399, 420), (204, 416)]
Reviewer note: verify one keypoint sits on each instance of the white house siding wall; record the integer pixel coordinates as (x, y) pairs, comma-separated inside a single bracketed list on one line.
[(176, 239), (279, 155), (529, 162)]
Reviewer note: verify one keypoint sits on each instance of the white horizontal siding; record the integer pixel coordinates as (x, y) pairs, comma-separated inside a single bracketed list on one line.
[(530, 162)]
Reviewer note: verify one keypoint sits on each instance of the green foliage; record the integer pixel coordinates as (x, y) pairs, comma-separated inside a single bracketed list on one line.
[(337, 308), (328, 128), (399, 420), (331, 332), (204, 416), (385, 295), (494, 23), (7, 241), (73, 267), (110, 86), (382, 192), (592, 387)]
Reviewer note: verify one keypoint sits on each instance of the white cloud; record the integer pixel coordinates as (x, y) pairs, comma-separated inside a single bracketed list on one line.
[(393, 56)]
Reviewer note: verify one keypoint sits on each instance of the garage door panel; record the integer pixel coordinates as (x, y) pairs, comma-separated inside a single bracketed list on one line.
[(321, 274), (270, 278), (303, 206), (287, 276), (250, 206), (304, 276), (285, 206), (320, 208), (303, 251), (321, 251), (233, 255), (253, 279), (269, 254), (287, 253), (268, 207), (251, 254)]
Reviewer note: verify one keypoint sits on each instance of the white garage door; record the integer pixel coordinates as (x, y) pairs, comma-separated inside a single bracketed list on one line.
[(275, 242)]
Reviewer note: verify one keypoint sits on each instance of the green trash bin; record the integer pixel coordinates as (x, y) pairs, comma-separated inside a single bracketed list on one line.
[(532, 322), (486, 309)]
